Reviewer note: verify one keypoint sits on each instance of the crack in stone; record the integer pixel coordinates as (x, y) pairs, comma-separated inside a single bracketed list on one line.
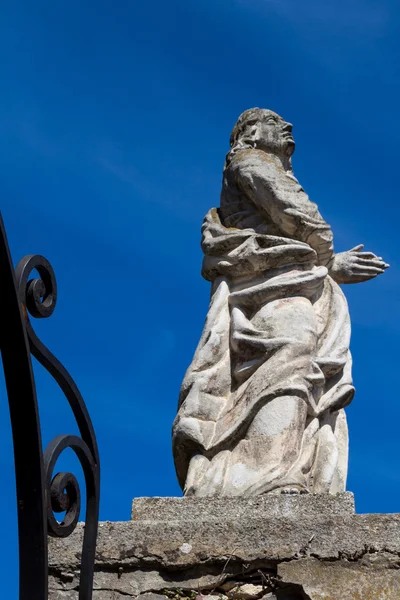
[(238, 568), (114, 591), (210, 573)]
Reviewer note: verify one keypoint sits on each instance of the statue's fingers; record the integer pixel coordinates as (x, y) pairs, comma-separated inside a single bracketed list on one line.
[(370, 271), (367, 255), (357, 248), (372, 262)]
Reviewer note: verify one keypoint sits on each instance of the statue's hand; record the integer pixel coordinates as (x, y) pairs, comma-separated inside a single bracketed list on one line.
[(355, 266)]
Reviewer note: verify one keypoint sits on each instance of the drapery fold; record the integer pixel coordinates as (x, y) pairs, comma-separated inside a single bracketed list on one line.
[(277, 334)]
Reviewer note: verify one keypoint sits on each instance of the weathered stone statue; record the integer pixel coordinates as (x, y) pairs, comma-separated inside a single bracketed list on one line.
[(262, 404)]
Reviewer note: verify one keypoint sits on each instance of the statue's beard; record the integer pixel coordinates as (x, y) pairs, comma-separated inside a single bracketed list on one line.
[(289, 148), (281, 147)]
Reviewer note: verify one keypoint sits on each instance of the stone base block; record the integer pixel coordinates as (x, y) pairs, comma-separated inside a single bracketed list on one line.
[(294, 547), (270, 506)]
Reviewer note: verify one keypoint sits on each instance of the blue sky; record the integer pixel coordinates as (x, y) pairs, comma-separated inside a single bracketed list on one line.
[(114, 122)]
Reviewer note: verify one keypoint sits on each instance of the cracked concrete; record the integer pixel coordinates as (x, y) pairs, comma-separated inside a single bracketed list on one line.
[(323, 552)]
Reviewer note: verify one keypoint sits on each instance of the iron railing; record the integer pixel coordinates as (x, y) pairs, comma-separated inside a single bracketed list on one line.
[(39, 493)]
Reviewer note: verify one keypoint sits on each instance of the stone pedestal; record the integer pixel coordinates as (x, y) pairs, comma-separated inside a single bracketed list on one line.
[(286, 547)]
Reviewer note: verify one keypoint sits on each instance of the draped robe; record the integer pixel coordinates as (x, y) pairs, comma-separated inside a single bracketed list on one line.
[(261, 405)]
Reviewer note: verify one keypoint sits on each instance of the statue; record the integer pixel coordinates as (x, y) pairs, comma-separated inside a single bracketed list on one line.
[(261, 407)]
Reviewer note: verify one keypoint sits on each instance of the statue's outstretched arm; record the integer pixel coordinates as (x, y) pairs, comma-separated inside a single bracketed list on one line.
[(280, 195)]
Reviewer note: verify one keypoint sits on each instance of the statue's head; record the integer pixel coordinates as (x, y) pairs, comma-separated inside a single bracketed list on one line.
[(264, 129)]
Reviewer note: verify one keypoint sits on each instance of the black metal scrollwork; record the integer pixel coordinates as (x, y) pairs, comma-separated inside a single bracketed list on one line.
[(40, 494)]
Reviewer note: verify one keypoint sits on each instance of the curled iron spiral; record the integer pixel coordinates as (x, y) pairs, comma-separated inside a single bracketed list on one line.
[(40, 493)]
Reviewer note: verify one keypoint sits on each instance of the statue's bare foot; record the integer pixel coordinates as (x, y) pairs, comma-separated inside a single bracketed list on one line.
[(291, 489)]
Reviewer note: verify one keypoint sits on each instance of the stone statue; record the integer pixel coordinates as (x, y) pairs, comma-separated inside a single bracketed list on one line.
[(261, 408)]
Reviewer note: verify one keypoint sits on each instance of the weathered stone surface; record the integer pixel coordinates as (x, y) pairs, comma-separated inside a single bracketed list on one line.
[(210, 597), (167, 545), (152, 596), (225, 508), (262, 403), (97, 595), (342, 580), (243, 591), (290, 555), (284, 594)]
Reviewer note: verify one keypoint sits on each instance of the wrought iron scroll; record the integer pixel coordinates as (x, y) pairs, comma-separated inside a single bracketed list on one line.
[(40, 494)]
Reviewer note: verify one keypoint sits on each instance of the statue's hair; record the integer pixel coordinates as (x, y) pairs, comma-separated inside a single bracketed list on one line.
[(248, 115), (244, 135)]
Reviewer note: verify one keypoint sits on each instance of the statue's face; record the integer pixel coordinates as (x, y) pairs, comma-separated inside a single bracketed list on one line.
[(274, 134)]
